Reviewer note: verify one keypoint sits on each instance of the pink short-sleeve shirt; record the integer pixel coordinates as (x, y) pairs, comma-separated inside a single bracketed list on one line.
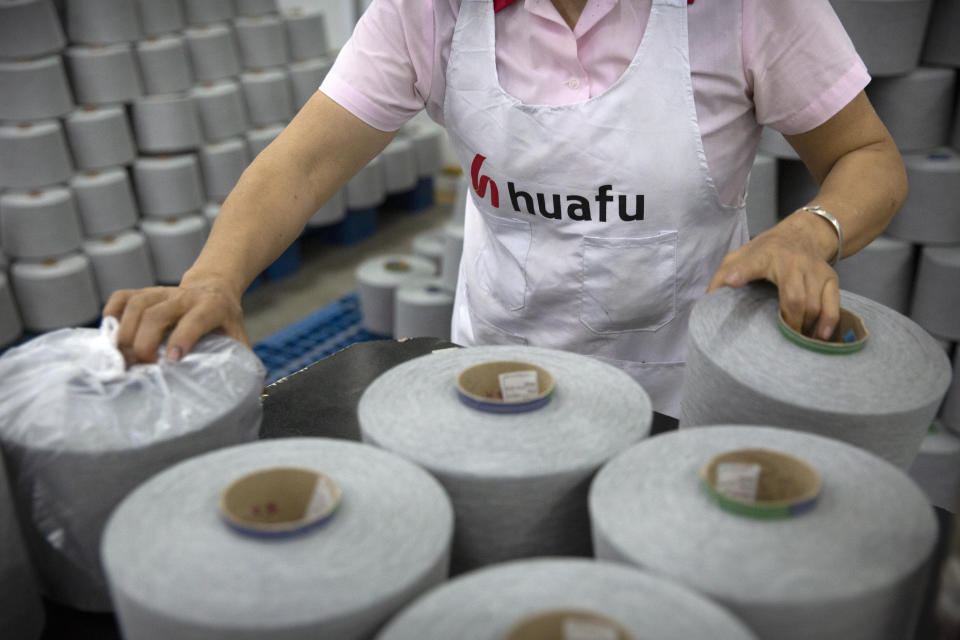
[(787, 64)]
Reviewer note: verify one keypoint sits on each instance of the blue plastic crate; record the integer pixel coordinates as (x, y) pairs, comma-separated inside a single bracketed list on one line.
[(359, 225), (287, 264)]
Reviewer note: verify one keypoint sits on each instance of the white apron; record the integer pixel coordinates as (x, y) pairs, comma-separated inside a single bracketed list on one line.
[(593, 227)]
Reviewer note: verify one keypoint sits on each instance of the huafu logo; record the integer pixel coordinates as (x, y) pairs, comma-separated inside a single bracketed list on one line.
[(553, 206)]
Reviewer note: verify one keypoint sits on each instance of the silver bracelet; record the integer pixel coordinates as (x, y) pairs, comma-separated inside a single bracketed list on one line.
[(826, 215)]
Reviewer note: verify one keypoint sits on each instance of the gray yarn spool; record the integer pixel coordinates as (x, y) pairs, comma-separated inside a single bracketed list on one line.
[(39, 224), (259, 138), (307, 34), (33, 154), (368, 188), (213, 52), (164, 64), (268, 96), (202, 12), (333, 211), (100, 137), (378, 279), (936, 292), (263, 41), (742, 370), (160, 16), (174, 245), (168, 185), (388, 542), (10, 325), (221, 164), (929, 215), (486, 604), (796, 578), (916, 108), (166, 123), (452, 250), (305, 78), (422, 309), (221, 109), (888, 34), (399, 166), (762, 195), (101, 21), (96, 431), (120, 262), (795, 186), (29, 28), (950, 412), (55, 293), (255, 7), (430, 244), (942, 44), (104, 75), (774, 144), (518, 482), (427, 139), (881, 271), (937, 469), (105, 201), (34, 89)]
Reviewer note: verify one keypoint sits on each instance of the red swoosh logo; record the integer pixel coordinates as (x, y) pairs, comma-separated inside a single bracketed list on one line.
[(481, 182)]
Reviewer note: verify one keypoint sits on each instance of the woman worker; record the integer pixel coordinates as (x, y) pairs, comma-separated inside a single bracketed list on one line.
[(608, 144)]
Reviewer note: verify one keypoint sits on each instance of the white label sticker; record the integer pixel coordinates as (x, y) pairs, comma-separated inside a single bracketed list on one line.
[(738, 481), (320, 501), (574, 629), (518, 386)]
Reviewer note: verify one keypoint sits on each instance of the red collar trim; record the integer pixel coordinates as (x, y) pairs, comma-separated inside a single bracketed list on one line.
[(501, 4)]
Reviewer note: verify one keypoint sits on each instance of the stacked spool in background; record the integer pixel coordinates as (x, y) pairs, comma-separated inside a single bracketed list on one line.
[(378, 279)]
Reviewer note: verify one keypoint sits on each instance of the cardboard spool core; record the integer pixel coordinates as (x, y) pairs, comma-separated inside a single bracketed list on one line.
[(567, 624), (479, 387), (849, 336), (786, 485), (279, 501), (397, 266)]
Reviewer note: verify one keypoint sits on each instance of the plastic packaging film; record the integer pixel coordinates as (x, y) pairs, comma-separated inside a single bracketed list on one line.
[(942, 44), (268, 96), (105, 201), (422, 309), (80, 431), (795, 186), (221, 108), (120, 262), (164, 64), (399, 166), (39, 224), (160, 16), (104, 74), (101, 21), (29, 28), (263, 41), (519, 481), (33, 154), (255, 7), (305, 78), (333, 211), (937, 468), (774, 144), (221, 164), (56, 293), (452, 250), (430, 245), (881, 271), (388, 542), (168, 185), (742, 370), (10, 325), (307, 34), (204, 12), (936, 294), (34, 89), (930, 214), (259, 138), (950, 411), (166, 123), (888, 34), (487, 604), (800, 577), (378, 279), (762, 195), (100, 137), (213, 52), (174, 245), (916, 108), (368, 187)]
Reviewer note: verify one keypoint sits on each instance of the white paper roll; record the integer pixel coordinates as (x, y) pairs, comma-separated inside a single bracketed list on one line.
[(795, 578), (104, 74), (930, 214), (160, 16), (881, 271), (399, 166), (10, 330), (937, 468), (422, 309), (333, 211), (268, 96), (795, 186), (101, 21), (427, 139), (936, 292), (174, 245), (38, 224), (105, 201), (452, 250), (263, 41), (34, 89), (210, 211), (29, 28), (255, 7), (742, 370), (120, 262), (430, 245), (306, 33), (259, 137), (388, 542), (213, 52), (100, 137), (168, 185), (305, 78), (519, 481), (950, 412), (460, 201), (56, 293), (888, 34), (368, 188), (200, 12), (762, 195), (33, 154), (164, 64), (379, 279), (221, 109), (917, 107), (20, 608), (221, 164), (774, 144), (487, 604), (166, 123)]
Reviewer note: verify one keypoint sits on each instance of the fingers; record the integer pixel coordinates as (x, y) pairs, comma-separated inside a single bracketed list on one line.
[(136, 303), (116, 303), (829, 307), (201, 320), (793, 298), (154, 323), (748, 263)]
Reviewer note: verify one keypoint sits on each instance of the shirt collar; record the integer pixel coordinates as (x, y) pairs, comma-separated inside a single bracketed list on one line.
[(501, 4)]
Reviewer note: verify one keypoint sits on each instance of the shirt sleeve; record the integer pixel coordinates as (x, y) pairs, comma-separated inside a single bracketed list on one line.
[(799, 62)]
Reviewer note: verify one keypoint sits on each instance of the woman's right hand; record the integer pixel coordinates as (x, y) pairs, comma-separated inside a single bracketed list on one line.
[(191, 310)]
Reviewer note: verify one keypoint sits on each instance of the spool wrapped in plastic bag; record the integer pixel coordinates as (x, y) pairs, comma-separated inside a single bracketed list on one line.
[(80, 430)]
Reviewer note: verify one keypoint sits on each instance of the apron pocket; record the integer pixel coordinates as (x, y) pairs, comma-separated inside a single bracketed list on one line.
[(502, 260), (629, 284)]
